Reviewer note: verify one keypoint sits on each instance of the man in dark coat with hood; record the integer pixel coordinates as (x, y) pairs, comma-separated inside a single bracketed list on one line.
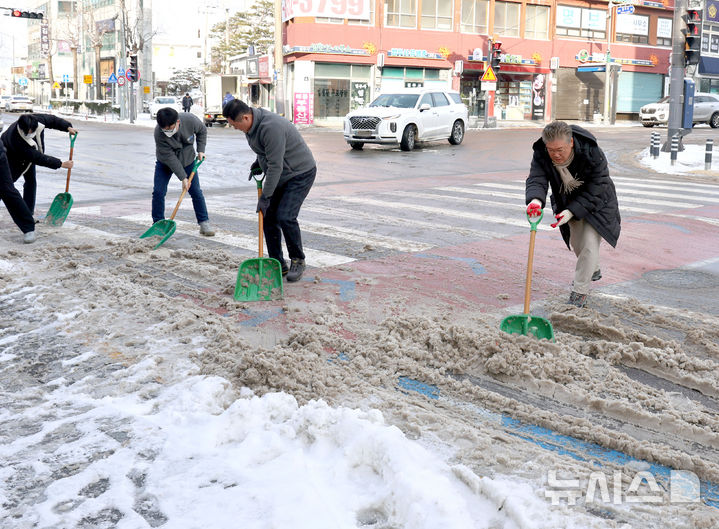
[(24, 142), (584, 201)]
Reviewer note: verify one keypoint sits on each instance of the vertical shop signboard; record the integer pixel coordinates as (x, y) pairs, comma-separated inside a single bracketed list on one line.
[(538, 96), (304, 109)]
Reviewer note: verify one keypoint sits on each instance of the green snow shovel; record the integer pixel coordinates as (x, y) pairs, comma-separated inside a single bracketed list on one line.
[(166, 227), (526, 323), (261, 278), (60, 207)]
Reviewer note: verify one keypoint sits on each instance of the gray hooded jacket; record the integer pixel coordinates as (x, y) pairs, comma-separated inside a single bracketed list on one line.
[(281, 151), (178, 151)]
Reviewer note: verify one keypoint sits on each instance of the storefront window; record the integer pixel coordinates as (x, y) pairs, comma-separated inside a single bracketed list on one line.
[(340, 88), (400, 13), (581, 22), (709, 85), (506, 19), (474, 16), (632, 28), (332, 98), (437, 14), (536, 26), (664, 32)]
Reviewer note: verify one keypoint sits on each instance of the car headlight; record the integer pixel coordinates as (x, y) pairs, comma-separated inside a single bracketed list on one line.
[(396, 116)]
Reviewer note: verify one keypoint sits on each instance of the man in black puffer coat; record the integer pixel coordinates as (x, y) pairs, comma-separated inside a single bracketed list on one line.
[(584, 201)]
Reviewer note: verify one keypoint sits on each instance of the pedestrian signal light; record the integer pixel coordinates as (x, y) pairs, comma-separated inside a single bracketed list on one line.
[(692, 36), (496, 55)]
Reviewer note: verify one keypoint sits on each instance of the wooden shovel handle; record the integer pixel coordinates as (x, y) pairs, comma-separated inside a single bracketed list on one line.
[(184, 191), (530, 261), (260, 218), (72, 149)]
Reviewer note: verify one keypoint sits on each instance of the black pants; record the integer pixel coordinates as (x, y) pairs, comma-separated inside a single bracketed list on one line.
[(29, 188), (10, 196), (281, 218)]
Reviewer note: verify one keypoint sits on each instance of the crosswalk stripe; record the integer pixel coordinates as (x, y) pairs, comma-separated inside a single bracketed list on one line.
[(520, 197), (703, 199), (621, 193), (386, 219), (714, 222), (358, 236), (626, 188), (670, 184), (440, 212), (314, 257)]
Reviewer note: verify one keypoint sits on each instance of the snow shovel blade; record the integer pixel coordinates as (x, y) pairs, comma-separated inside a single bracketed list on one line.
[(59, 209), (162, 228), (527, 324), (259, 279)]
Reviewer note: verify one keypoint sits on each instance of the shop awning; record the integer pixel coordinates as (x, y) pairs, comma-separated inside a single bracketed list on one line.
[(263, 80)]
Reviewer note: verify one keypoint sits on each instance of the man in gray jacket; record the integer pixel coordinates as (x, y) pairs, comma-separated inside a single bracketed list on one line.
[(175, 138), (289, 168)]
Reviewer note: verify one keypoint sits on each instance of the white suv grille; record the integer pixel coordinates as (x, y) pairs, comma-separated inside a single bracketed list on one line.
[(364, 122)]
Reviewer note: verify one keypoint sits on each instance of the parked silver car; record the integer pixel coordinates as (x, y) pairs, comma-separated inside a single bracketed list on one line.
[(706, 110)]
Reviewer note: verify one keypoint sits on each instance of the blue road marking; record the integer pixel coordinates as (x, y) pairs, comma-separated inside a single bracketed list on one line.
[(259, 317), (567, 445)]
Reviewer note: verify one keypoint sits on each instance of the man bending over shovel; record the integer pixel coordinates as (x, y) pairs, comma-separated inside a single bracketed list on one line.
[(289, 168), (175, 138), (568, 159), (24, 142)]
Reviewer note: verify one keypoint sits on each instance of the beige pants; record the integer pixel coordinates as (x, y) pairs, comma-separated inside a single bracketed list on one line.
[(584, 240)]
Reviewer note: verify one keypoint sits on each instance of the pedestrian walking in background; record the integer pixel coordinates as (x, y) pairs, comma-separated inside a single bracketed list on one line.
[(175, 138), (186, 103), (24, 143), (228, 97), (289, 168), (13, 201), (584, 201)]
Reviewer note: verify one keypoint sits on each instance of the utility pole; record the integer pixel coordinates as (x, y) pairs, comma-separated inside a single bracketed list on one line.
[(278, 60), (676, 77)]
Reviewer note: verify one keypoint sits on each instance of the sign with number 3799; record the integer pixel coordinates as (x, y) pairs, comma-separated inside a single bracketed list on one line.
[(351, 9)]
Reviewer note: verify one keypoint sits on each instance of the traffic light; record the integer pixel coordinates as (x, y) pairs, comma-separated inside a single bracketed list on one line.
[(496, 57), (133, 62), (692, 36), (16, 13)]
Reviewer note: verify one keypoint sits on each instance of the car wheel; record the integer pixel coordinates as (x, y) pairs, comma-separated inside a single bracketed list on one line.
[(356, 145), (408, 138), (648, 124), (457, 133), (714, 120)]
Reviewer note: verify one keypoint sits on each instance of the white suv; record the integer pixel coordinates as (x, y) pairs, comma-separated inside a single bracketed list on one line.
[(407, 116), (706, 110)]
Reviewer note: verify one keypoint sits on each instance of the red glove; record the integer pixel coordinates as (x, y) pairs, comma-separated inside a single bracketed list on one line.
[(534, 209), (562, 218)]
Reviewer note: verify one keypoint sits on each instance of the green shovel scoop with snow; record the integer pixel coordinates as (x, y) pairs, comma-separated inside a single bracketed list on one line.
[(259, 279), (60, 207), (526, 323), (166, 227)]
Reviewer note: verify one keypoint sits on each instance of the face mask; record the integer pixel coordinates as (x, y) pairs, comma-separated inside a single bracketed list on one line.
[(170, 132)]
